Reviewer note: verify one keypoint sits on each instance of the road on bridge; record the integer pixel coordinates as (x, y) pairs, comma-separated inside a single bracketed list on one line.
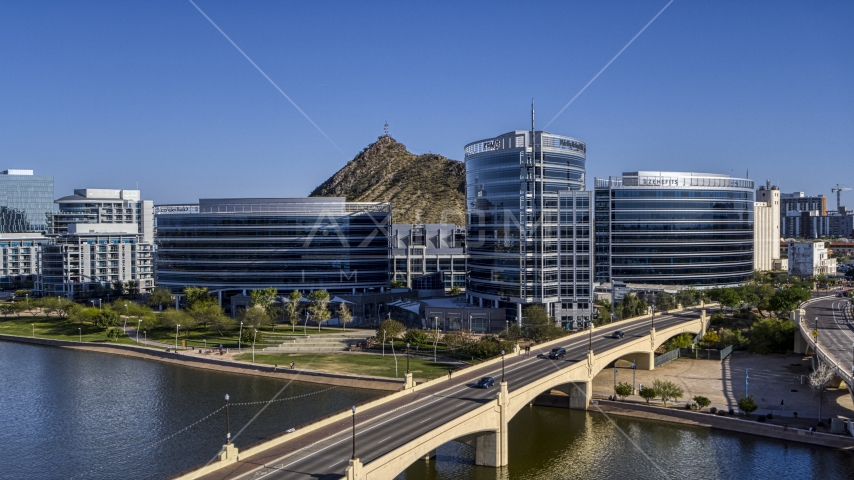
[(325, 454), (831, 318)]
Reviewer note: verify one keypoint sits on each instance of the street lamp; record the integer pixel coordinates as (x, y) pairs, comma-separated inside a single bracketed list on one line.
[(227, 423), (590, 342), (34, 329), (176, 336), (746, 382), (502, 366), (407, 358), (80, 332), (383, 342), (145, 335), (354, 432), (239, 337), (253, 345), (816, 333), (634, 371), (138, 326)]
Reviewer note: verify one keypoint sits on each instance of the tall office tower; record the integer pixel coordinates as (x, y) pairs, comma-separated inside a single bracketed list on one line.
[(528, 235), (25, 201), (674, 228), (766, 229)]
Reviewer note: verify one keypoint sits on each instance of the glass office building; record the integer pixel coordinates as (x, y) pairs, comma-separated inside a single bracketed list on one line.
[(232, 245), (524, 200), (674, 228), (25, 201)]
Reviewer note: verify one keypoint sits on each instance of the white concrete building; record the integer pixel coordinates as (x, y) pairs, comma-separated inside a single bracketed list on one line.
[(810, 259), (418, 250), (766, 229), (19, 258)]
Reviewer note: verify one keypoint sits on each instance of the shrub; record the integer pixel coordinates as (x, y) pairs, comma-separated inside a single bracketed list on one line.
[(488, 346), (820, 423), (113, 333), (761, 418), (772, 335), (667, 390), (690, 406), (731, 412), (683, 340), (623, 390), (713, 410), (770, 416), (721, 412), (416, 337), (648, 393), (702, 401), (747, 405), (392, 329)]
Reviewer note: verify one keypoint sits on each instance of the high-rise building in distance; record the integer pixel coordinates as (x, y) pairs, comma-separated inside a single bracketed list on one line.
[(25, 201)]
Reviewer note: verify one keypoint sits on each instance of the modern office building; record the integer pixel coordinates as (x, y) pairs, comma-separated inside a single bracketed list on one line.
[(766, 229), (801, 202), (25, 201), (812, 224), (19, 254), (529, 232), (237, 244), (100, 205), (419, 250), (807, 259), (674, 228)]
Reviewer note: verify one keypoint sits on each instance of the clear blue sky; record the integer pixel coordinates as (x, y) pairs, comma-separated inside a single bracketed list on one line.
[(107, 94)]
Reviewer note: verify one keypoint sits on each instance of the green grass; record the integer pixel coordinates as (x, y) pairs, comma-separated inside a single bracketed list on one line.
[(285, 329), (56, 329), (356, 364)]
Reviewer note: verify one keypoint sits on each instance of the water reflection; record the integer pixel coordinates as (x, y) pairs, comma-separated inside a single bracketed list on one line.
[(69, 413)]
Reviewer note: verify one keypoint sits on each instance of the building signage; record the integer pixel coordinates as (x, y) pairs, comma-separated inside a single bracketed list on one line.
[(573, 145), (492, 145), (172, 209), (660, 182)]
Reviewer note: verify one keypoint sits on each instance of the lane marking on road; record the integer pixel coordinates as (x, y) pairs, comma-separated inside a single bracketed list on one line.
[(386, 438), (422, 421)]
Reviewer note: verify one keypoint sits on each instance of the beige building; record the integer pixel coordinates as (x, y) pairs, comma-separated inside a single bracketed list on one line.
[(766, 229)]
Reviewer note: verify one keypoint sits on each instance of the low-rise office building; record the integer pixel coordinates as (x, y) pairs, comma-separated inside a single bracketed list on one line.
[(419, 250), (25, 201), (233, 245), (808, 259)]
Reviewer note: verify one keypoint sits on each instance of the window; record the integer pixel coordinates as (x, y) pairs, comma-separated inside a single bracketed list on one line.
[(415, 265), (432, 265), (459, 264), (400, 264)]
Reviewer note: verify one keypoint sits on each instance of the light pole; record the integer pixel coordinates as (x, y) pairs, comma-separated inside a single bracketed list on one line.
[(652, 319), (816, 333), (354, 433), (239, 338), (227, 422), (253, 345), (138, 326), (80, 333), (746, 382), (615, 379), (383, 342), (407, 358), (395, 357), (34, 329), (176, 336), (502, 366), (590, 336), (145, 335), (634, 371)]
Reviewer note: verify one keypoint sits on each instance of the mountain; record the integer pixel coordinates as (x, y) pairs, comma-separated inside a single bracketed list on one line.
[(425, 188)]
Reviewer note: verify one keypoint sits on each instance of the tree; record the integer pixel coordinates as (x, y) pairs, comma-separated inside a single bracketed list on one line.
[(113, 333), (197, 295), (133, 287), (630, 306), (117, 287), (65, 308), (263, 297), (392, 329), (623, 390), (455, 291), (539, 326), (205, 313), (160, 297), (667, 390), (702, 401), (250, 336), (274, 312), (727, 297), (106, 318), (171, 318), (292, 308), (665, 301), (319, 306), (603, 312), (747, 404), (772, 335), (344, 315), (85, 314), (683, 340), (648, 393), (223, 323), (787, 299), (687, 297), (397, 284), (416, 337), (253, 316), (820, 380)]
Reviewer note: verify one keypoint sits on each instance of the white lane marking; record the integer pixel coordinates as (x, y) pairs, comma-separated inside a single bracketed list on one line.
[(386, 438), (422, 421)]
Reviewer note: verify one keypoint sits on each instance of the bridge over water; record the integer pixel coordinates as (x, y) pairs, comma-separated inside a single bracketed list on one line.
[(826, 329), (393, 432)]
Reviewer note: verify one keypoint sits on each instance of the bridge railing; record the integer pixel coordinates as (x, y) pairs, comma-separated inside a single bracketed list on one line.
[(842, 372)]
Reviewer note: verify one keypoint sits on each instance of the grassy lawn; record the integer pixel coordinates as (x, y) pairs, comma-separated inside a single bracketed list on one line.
[(57, 329), (357, 364), (285, 329)]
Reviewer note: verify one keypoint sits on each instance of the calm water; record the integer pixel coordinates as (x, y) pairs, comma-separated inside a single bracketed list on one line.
[(67, 414), (86, 415)]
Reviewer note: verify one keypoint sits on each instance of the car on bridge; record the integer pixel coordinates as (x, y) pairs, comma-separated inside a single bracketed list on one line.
[(485, 382), (557, 352), (618, 334)]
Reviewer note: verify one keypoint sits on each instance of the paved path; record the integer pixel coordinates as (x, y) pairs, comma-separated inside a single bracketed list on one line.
[(324, 453)]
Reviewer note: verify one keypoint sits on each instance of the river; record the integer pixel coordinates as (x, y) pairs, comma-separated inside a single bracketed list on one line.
[(76, 414)]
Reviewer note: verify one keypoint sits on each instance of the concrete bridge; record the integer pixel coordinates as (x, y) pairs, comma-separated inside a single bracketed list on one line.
[(826, 330), (398, 430)]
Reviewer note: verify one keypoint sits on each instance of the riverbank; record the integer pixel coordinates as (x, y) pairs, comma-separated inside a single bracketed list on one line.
[(221, 365), (732, 424)]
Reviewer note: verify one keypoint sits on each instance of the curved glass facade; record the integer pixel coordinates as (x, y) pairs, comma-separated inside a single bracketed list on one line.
[(674, 228), (288, 244), (521, 222)]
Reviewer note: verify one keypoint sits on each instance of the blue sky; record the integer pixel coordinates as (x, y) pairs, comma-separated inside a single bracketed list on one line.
[(108, 94)]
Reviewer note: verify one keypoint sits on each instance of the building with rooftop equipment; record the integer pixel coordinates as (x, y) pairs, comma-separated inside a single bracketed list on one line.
[(419, 250), (766, 229), (25, 201), (807, 259)]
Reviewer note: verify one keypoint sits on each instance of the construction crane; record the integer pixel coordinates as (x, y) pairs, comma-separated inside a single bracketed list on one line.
[(838, 191)]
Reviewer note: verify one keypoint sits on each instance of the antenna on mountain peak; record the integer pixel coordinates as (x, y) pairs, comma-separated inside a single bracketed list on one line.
[(385, 129)]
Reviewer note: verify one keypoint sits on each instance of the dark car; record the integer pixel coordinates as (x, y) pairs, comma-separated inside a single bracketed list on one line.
[(617, 334), (485, 382), (557, 352)]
